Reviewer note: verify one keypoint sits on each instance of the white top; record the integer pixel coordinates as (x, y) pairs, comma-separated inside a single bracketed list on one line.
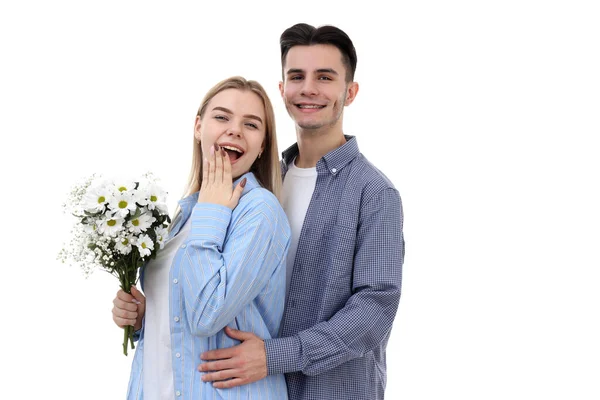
[(158, 367), (298, 187)]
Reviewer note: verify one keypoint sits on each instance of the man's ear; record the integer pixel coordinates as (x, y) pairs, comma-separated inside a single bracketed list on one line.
[(351, 92), (281, 88)]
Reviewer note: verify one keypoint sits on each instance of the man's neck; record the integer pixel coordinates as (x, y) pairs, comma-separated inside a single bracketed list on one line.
[(313, 145)]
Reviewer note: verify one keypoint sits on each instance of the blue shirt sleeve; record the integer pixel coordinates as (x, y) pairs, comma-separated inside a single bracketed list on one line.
[(225, 267)]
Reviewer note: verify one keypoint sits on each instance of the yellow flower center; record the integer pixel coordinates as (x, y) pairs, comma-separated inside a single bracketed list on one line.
[(153, 199), (111, 222), (125, 242), (101, 199), (135, 222), (143, 245), (122, 204), (122, 189)]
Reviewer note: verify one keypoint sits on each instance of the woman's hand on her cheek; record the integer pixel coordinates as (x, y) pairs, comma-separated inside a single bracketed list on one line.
[(217, 181)]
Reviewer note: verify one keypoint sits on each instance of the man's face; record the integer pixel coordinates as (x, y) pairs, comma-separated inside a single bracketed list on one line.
[(314, 89)]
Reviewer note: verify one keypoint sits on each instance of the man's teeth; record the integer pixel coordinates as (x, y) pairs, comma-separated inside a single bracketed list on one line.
[(309, 106), (232, 148)]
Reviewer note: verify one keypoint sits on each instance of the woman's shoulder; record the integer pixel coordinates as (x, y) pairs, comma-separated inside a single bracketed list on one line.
[(259, 197)]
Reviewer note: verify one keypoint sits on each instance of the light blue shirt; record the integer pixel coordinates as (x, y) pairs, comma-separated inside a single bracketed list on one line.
[(230, 271)]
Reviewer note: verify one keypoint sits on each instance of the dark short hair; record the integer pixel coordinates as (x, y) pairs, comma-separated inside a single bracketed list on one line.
[(306, 35)]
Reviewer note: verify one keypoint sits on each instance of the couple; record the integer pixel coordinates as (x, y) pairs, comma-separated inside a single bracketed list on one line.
[(252, 300)]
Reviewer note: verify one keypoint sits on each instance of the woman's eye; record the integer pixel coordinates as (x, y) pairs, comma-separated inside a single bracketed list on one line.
[(221, 117), (251, 125)]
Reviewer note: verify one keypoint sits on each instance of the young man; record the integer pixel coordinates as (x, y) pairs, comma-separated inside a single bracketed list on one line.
[(344, 267)]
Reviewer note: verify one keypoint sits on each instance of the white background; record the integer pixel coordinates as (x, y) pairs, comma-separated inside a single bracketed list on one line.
[(483, 114)]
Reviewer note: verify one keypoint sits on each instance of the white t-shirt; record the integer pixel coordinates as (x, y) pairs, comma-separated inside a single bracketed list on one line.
[(158, 367), (298, 187)]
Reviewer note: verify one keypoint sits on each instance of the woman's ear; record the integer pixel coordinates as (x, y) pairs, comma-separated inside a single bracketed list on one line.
[(197, 131), (262, 149)]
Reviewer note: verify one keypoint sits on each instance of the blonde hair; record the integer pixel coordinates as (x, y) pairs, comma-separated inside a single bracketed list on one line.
[(266, 168)]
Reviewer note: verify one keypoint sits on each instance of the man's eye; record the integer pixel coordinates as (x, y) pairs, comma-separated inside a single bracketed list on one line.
[(296, 78), (325, 78)]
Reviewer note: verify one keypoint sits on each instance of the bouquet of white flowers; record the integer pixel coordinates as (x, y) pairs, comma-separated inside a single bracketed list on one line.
[(119, 226)]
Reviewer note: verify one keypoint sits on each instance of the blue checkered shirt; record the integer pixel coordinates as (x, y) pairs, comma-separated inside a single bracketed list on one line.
[(345, 284)]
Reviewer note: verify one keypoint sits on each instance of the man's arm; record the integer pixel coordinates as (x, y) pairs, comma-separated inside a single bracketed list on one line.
[(357, 328), (368, 315)]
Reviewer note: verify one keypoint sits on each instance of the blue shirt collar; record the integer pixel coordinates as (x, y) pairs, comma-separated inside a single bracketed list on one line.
[(332, 162)]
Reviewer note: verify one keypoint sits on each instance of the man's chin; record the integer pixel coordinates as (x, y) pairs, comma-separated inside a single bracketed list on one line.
[(310, 125)]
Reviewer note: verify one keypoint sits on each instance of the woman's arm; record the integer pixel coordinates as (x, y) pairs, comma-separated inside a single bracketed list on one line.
[(224, 267)]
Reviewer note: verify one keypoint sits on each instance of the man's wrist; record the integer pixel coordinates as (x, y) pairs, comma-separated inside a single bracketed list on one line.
[(282, 355)]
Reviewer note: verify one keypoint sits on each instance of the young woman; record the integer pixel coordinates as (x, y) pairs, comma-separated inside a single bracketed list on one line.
[(224, 262)]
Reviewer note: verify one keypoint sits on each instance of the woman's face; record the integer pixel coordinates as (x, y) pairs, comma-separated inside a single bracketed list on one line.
[(235, 120)]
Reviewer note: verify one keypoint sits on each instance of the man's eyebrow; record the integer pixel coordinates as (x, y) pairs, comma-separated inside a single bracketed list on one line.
[(320, 71), (228, 111), (327, 71)]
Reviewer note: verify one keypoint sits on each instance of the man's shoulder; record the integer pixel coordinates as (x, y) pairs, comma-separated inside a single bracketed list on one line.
[(367, 176)]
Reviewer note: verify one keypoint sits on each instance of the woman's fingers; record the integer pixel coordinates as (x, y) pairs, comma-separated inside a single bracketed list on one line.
[(211, 165), (204, 172), (124, 311), (218, 165), (226, 167), (237, 193)]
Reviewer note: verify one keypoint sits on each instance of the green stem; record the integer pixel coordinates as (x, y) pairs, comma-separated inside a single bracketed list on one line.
[(127, 289), (127, 272), (125, 338)]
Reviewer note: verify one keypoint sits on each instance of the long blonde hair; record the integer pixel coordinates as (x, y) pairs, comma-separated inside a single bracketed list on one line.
[(266, 168)]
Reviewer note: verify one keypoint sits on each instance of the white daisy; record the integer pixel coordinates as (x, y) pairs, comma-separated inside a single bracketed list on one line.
[(122, 203), (96, 198), (123, 244), (91, 226), (154, 197), (145, 245), (125, 185), (161, 236), (111, 226), (141, 223)]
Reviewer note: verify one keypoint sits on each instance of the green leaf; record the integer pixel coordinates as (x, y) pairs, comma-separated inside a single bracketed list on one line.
[(94, 214), (138, 212)]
